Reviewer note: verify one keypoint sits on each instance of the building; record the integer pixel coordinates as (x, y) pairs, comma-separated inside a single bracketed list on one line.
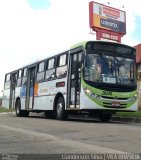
[(138, 61), (138, 65)]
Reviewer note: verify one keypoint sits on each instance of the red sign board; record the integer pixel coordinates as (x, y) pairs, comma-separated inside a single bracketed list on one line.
[(110, 36), (138, 53), (104, 18)]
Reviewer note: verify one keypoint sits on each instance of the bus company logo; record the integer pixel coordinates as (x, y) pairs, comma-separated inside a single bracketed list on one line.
[(113, 25), (43, 90)]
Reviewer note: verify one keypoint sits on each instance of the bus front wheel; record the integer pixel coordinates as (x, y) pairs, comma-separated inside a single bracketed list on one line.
[(19, 112), (61, 113), (105, 117), (49, 114)]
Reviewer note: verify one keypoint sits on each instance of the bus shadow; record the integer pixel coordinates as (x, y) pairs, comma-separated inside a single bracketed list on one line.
[(90, 120), (76, 119)]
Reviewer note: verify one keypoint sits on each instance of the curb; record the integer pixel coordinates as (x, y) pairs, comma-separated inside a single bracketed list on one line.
[(4, 113), (122, 119)]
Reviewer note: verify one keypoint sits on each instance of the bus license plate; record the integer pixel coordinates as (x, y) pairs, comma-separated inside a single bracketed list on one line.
[(115, 104)]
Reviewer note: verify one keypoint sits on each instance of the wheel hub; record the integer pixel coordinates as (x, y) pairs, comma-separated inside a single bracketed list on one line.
[(17, 109), (59, 109)]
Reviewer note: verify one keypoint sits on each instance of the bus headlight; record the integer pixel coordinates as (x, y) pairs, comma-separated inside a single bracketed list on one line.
[(132, 98), (91, 94)]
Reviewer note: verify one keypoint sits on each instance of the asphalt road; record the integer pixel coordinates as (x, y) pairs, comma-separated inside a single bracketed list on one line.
[(46, 136)]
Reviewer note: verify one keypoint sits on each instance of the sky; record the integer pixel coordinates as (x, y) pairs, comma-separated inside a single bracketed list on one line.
[(31, 30)]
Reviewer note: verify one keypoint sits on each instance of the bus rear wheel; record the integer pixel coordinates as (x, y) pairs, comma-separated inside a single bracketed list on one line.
[(105, 117), (61, 113)]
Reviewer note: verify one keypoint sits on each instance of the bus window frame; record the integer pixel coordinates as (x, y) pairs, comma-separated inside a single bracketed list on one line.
[(19, 78), (7, 82), (40, 78), (47, 66), (58, 66), (8, 78), (24, 76), (53, 69)]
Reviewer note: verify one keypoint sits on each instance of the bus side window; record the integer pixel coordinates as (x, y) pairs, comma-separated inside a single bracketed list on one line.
[(40, 71), (7, 78), (50, 70), (61, 70), (76, 69), (80, 59), (7, 81), (77, 64), (19, 78), (74, 65), (24, 78), (13, 80)]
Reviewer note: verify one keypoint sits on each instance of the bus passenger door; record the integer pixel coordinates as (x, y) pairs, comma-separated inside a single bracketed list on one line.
[(30, 88), (74, 85), (12, 90)]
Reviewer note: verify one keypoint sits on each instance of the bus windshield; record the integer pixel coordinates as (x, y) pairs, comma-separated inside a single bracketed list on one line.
[(103, 68)]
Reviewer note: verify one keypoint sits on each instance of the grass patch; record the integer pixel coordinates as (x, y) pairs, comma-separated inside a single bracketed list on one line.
[(2, 109), (129, 114)]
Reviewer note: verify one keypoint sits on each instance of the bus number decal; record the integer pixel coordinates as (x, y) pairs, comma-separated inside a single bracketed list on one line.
[(107, 93)]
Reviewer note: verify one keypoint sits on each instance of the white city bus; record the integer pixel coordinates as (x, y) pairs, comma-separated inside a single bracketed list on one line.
[(93, 77)]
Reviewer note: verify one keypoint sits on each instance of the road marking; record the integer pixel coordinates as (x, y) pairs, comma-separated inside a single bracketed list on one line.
[(6, 113), (78, 147)]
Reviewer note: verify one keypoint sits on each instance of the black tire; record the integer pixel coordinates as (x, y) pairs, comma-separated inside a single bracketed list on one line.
[(49, 114), (105, 117), (61, 113), (25, 113), (18, 108), (19, 112)]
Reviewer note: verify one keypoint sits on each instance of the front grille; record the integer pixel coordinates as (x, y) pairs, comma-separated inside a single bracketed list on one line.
[(114, 98)]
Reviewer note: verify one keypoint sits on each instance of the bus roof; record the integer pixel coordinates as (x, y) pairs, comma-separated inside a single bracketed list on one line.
[(82, 43), (77, 45)]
